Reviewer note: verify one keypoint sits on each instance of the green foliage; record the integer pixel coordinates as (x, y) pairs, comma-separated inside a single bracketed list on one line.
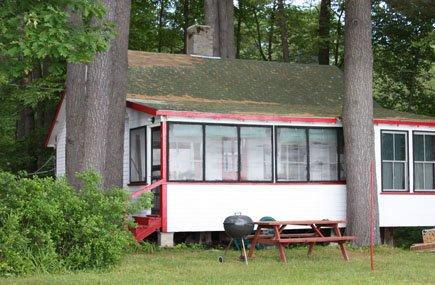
[(47, 226), (403, 42), (145, 201), (37, 39)]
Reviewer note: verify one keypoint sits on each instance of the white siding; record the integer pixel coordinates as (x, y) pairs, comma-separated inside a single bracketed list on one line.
[(203, 207), (60, 150), (403, 209)]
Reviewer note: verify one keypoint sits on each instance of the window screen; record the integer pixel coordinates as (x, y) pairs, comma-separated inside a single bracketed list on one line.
[(424, 161), (394, 161), (221, 153), (138, 154), (256, 153), (185, 152)]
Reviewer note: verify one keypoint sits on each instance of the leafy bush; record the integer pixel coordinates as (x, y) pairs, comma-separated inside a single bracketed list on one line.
[(47, 226)]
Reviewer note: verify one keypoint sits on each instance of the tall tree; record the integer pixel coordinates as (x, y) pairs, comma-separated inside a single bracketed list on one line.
[(282, 23), (219, 14), (95, 102), (186, 23), (358, 120), (324, 27)]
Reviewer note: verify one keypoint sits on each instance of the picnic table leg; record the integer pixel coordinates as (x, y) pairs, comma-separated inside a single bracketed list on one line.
[(281, 249), (311, 247), (341, 244), (254, 241)]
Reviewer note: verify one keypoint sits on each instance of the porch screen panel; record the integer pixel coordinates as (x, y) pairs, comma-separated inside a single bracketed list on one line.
[(394, 161), (424, 161), (291, 154), (256, 153), (323, 154), (221, 153), (185, 152), (138, 155), (155, 154)]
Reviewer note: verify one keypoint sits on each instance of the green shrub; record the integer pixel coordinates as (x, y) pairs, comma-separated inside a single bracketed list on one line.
[(47, 226)]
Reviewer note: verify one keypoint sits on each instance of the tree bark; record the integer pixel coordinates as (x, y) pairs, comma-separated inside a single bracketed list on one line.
[(271, 30), (95, 105), (358, 121), (185, 23), (239, 28), (282, 22), (337, 43), (324, 27), (219, 14), (257, 25), (160, 30)]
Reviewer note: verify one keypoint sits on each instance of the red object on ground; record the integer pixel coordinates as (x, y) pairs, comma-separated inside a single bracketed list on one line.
[(146, 226), (280, 239)]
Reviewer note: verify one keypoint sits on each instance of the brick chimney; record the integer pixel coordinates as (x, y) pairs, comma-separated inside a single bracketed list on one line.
[(200, 40)]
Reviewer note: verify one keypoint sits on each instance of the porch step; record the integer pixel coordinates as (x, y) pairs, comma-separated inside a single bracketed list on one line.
[(146, 226)]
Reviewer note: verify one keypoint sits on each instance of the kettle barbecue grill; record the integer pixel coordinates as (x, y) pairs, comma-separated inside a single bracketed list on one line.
[(237, 226)]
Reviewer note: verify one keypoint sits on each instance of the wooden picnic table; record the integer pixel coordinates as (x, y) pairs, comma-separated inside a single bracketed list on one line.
[(280, 239)]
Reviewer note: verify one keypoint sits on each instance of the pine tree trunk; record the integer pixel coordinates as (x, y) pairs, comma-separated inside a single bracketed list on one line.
[(239, 28), (95, 105), (257, 25), (282, 22), (324, 27), (219, 14), (185, 23), (160, 30), (271, 30), (358, 121)]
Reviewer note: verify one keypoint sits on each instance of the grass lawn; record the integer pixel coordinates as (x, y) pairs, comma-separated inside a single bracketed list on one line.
[(188, 266)]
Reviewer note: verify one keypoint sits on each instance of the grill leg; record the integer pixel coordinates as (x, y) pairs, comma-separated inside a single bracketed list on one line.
[(244, 252), (228, 246)]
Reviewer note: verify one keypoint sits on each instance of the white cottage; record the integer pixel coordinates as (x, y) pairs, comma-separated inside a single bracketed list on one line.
[(212, 137)]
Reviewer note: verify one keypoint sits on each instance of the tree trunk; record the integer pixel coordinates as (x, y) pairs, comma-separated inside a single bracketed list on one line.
[(160, 30), (219, 14), (257, 25), (185, 23), (282, 22), (271, 30), (338, 39), (324, 27), (239, 28), (96, 93), (358, 121)]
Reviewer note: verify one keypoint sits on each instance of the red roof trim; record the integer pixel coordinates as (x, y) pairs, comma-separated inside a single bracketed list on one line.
[(141, 108), (239, 117), (53, 122), (403, 122)]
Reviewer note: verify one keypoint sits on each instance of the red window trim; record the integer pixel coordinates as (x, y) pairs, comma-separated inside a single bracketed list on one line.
[(404, 122), (409, 193), (267, 183)]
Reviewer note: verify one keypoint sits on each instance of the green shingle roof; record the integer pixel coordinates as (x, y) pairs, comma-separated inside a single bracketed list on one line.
[(186, 83)]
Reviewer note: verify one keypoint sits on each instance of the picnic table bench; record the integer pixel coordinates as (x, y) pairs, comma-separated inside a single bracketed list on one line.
[(281, 239)]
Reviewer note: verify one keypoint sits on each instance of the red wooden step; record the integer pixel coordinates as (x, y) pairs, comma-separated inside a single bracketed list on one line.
[(146, 226)]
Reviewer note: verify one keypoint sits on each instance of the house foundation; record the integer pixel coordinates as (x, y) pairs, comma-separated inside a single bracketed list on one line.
[(165, 239)]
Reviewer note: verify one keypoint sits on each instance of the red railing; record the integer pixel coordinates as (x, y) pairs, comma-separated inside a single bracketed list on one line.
[(147, 188)]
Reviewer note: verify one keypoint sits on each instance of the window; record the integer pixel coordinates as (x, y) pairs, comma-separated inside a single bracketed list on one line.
[(256, 153), (221, 153), (323, 154), (394, 161), (341, 155), (155, 154), (309, 154), (185, 152), (138, 155), (291, 154), (424, 161)]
